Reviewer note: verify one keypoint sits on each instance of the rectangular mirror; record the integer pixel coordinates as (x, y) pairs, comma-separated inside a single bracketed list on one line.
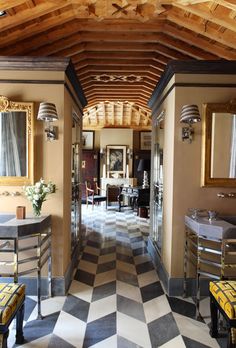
[(219, 144), (16, 142)]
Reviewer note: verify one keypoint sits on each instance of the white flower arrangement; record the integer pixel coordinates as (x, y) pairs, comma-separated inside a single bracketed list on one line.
[(37, 194)]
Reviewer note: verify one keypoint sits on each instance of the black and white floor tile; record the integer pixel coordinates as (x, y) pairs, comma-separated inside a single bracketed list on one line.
[(116, 299)]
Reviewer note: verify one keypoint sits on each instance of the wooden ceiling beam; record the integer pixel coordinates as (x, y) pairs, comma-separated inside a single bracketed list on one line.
[(6, 4), (36, 27), (88, 82), (227, 38), (202, 43), (125, 47), (122, 62), (29, 14), (97, 70), (134, 86), (200, 11)]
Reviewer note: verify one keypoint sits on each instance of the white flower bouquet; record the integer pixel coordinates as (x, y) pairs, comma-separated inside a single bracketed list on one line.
[(37, 194)]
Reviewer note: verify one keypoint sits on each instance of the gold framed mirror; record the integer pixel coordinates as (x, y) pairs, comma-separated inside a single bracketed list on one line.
[(219, 144), (16, 142)]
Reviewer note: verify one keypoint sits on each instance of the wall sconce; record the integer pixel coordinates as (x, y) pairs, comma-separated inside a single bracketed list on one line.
[(102, 152), (129, 153), (189, 114), (48, 113), (144, 166)]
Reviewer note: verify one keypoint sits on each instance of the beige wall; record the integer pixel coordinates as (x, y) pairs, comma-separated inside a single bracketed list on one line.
[(182, 167), (52, 159)]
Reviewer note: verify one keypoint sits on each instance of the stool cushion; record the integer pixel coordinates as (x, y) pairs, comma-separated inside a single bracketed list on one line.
[(225, 294), (11, 295)]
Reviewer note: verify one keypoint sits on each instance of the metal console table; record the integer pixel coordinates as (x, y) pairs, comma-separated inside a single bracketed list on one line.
[(25, 247), (210, 247)]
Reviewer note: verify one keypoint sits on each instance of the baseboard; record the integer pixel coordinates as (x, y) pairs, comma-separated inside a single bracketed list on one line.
[(175, 286)]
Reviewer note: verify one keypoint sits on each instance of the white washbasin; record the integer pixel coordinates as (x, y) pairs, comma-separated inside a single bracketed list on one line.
[(210, 229)]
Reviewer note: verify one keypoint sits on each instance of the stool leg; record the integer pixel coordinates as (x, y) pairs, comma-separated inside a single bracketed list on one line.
[(19, 325), (214, 319), (3, 339), (231, 338)]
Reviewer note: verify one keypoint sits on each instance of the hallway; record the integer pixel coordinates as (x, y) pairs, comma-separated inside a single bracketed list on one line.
[(116, 298)]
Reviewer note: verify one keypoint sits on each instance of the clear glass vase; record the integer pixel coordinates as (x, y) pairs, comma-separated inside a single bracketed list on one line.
[(37, 208)]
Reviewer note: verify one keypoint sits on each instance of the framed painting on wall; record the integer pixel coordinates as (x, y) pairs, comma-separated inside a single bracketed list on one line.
[(87, 140), (116, 160), (145, 140)]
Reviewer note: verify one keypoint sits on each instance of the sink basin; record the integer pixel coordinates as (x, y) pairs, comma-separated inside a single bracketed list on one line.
[(5, 217), (231, 219)]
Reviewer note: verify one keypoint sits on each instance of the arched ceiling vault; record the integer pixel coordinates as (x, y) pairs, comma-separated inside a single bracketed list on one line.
[(119, 48)]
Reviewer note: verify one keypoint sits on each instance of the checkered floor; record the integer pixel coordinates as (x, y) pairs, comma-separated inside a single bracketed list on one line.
[(116, 299)]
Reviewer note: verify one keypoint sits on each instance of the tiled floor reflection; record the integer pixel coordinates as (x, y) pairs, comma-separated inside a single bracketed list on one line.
[(116, 299)]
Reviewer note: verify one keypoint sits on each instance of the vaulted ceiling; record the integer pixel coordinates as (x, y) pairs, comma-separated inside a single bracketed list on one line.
[(119, 48)]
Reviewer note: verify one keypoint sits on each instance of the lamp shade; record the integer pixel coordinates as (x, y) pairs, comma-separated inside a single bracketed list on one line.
[(47, 112), (190, 114), (144, 165)]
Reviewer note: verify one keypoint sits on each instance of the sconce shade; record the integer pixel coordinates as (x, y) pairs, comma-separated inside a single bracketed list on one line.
[(190, 114), (144, 165), (47, 112)]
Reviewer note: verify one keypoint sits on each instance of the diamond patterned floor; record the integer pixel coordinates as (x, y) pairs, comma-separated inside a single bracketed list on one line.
[(116, 299)]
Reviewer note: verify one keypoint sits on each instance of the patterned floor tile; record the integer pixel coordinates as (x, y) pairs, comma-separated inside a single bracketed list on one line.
[(58, 342), (107, 266), (124, 343), (126, 267), (87, 266), (35, 329), (104, 328), (116, 299), (129, 291), (128, 328), (76, 307), (90, 257), (144, 267), (101, 308), (70, 329), (106, 258), (104, 290), (151, 291), (81, 290), (163, 330), (195, 330), (84, 277), (130, 307), (156, 308), (127, 277)]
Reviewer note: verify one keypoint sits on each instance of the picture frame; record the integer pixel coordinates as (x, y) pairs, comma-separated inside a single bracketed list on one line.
[(145, 140), (87, 140), (116, 160)]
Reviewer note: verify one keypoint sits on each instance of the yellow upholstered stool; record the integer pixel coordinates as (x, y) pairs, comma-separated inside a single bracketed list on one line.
[(223, 298), (12, 297)]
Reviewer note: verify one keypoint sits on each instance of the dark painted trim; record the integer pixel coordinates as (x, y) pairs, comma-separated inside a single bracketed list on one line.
[(73, 97), (43, 82), (189, 85), (72, 76), (48, 64), (191, 67)]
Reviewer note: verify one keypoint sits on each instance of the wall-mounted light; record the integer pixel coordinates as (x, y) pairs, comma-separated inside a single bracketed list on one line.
[(189, 114), (48, 113), (102, 152), (129, 153), (144, 166)]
